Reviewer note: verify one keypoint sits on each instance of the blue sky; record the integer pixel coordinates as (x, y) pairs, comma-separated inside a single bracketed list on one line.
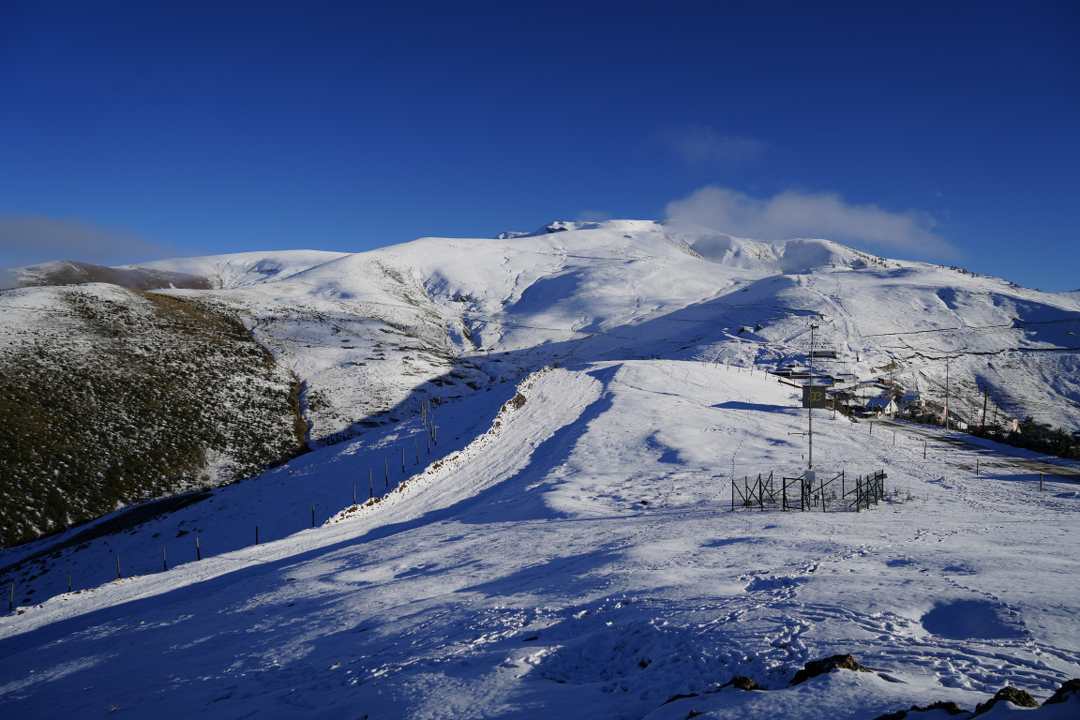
[(948, 132)]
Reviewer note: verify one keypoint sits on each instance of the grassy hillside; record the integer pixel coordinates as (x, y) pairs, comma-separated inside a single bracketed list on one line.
[(122, 396)]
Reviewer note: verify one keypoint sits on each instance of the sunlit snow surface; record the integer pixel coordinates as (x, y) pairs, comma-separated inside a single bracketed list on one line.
[(436, 317), (525, 578), (519, 573)]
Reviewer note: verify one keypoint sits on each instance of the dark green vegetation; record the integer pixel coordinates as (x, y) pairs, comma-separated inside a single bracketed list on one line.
[(120, 396), (1033, 436), (1030, 435)]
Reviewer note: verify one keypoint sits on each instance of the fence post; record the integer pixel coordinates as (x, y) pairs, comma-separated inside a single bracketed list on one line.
[(69, 579), (386, 469), (403, 460), (416, 446), (371, 484), (1040, 482), (312, 514), (164, 561), (198, 550), (783, 482), (118, 577), (354, 493)]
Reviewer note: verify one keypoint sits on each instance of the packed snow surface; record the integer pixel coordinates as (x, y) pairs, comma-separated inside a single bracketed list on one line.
[(569, 547), (523, 575)]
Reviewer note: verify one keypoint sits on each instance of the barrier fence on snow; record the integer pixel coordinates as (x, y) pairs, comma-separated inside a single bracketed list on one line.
[(832, 494)]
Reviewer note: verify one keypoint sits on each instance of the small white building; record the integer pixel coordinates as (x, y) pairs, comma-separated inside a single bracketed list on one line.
[(881, 407)]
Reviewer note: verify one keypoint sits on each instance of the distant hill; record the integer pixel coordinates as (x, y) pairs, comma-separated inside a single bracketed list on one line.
[(71, 272)]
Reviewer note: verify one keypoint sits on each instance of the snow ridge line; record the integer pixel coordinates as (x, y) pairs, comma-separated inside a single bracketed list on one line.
[(444, 466)]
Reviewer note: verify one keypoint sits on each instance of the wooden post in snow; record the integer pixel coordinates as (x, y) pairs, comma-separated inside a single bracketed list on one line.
[(198, 550), (69, 579), (371, 484), (416, 446), (118, 577), (402, 459), (386, 469), (256, 534), (312, 514), (1040, 482), (164, 561)]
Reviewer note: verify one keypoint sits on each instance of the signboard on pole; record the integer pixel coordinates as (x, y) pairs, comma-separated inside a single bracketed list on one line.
[(813, 396)]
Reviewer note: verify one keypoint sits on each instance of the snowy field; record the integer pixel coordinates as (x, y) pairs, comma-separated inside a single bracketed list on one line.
[(576, 555)]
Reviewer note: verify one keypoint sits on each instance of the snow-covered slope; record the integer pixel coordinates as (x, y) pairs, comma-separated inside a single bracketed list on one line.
[(440, 312), (569, 547), (574, 554), (110, 396)]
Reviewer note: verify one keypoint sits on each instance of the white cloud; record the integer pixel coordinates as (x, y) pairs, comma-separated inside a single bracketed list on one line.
[(593, 216), (794, 214), (30, 239), (700, 144)]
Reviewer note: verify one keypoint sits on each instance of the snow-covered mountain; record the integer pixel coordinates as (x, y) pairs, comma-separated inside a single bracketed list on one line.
[(569, 542), (454, 314)]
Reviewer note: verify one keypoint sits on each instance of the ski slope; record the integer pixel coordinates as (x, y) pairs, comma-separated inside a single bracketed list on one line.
[(519, 572)]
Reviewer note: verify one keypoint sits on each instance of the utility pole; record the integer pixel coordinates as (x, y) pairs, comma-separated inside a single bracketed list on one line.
[(810, 410), (946, 394), (982, 422)]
